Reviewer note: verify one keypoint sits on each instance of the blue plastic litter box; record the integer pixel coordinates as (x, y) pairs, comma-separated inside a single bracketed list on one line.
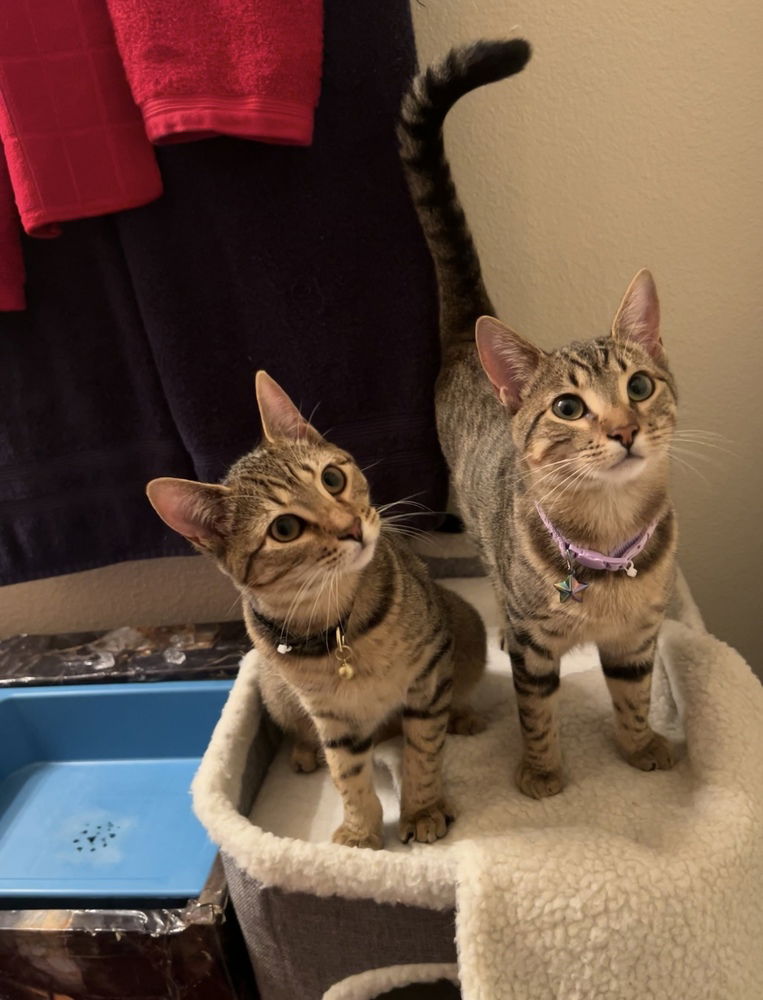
[(95, 806)]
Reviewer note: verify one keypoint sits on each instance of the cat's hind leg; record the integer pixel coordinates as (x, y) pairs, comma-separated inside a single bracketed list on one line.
[(469, 656), (305, 757), (466, 721), (287, 712)]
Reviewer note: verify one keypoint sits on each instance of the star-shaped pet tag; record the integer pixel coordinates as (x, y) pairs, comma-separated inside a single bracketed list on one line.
[(570, 588)]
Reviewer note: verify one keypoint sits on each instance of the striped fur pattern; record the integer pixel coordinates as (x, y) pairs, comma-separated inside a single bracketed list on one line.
[(462, 292), (417, 650), (568, 429)]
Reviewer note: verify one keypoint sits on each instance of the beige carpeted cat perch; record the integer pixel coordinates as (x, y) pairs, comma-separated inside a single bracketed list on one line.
[(627, 885)]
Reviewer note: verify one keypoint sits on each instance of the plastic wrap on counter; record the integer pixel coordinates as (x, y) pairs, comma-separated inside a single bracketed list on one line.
[(185, 953), (130, 653)]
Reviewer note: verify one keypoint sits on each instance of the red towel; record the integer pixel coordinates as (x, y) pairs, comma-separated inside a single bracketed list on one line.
[(11, 263), (74, 141), (201, 68)]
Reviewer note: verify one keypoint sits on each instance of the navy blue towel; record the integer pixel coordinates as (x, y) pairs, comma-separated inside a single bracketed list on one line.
[(136, 355)]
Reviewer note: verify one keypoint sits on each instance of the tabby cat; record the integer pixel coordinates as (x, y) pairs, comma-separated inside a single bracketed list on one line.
[(351, 631), (559, 459)]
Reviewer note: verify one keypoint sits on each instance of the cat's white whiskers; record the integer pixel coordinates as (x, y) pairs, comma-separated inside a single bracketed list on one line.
[(576, 478), (701, 442), (406, 532), (403, 515), (560, 461), (694, 454), (399, 525), (575, 474), (236, 600), (326, 580), (293, 606), (392, 525), (554, 472), (409, 501), (371, 465), (683, 462), (552, 468), (706, 431), (556, 487), (312, 413), (333, 598)]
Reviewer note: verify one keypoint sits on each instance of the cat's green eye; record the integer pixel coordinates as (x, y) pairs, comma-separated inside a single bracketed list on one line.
[(568, 407), (286, 528), (640, 387), (333, 479)]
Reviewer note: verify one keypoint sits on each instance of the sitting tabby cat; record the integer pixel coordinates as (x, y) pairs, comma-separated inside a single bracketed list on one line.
[(351, 631), (560, 459)]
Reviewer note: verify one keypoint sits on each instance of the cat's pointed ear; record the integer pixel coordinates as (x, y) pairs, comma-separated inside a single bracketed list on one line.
[(509, 360), (637, 321), (198, 511), (280, 417)]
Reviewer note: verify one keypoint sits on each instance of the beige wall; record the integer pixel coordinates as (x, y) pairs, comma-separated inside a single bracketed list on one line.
[(633, 138), (150, 592)]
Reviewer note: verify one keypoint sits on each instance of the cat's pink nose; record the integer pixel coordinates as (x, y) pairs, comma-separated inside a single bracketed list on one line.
[(354, 532), (624, 434)]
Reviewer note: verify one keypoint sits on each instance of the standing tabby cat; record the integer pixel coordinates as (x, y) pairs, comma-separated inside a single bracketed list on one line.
[(559, 459), (351, 631)]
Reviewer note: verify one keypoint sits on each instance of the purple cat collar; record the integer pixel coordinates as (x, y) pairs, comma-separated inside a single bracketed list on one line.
[(620, 559)]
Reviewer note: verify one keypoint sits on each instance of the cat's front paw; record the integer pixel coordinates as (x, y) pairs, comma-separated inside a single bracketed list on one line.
[(657, 755), (538, 784), (426, 825), (350, 837)]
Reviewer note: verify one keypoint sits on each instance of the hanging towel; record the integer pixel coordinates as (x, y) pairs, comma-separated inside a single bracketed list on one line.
[(73, 138), (246, 68), (11, 263), (136, 354)]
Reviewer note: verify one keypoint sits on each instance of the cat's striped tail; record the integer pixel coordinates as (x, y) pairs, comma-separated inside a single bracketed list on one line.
[(430, 96)]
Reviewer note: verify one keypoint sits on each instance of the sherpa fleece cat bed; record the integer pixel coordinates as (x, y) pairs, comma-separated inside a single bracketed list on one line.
[(626, 885)]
